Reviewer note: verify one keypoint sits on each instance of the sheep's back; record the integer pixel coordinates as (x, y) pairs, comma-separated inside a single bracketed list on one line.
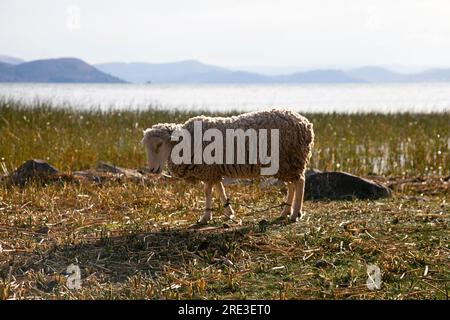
[(295, 143)]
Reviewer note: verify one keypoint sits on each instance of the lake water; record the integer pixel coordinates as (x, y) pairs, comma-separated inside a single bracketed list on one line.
[(423, 97)]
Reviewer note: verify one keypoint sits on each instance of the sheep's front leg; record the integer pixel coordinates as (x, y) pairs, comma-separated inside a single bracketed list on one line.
[(298, 199), (207, 215), (287, 206), (228, 210)]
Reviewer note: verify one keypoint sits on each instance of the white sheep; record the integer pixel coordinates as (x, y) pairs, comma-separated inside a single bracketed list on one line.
[(295, 143)]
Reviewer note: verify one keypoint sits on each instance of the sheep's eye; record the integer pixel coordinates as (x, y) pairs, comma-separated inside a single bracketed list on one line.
[(158, 145)]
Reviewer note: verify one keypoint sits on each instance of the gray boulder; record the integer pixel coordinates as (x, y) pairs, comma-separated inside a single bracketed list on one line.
[(124, 172), (310, 172), (36, 170), (270, 182), (342, 186), (227, 181)]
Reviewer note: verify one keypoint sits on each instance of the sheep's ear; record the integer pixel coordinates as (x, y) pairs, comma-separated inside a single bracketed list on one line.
[(144, 134), (143, 139)]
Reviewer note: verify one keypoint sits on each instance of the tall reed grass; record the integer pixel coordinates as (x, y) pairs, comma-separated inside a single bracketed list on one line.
[(383, 144)]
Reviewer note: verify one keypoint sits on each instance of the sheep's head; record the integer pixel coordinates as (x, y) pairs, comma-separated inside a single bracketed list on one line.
[(158, 145)]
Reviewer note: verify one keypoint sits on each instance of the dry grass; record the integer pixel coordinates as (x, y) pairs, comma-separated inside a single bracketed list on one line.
[(133, 241)]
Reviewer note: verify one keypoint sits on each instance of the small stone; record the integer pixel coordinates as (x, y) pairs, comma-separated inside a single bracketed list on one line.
[(121, 172), (263, 225), (320, 264), (36, 170), (43, 230), (270, 182)]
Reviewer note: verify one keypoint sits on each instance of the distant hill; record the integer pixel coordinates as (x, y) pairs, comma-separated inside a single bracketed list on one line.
[(378, 74), (381, 75), (138, 72), (6, 72), (318, 76), (74, 70), (225, 76), (10, 60), (433, 75), (63, 70), (192, 71)]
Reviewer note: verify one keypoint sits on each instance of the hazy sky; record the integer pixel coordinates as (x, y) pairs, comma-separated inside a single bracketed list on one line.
[(231, 33)]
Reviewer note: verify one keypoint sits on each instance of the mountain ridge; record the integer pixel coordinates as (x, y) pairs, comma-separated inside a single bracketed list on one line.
[(10, 60), (59, 70), (74, 70), (197, 72), (215, 74)]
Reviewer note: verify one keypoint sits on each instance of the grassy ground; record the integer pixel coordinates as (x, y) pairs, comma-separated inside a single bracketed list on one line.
[(133, 241)]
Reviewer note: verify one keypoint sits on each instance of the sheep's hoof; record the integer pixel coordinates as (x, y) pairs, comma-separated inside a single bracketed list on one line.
[(284, 214), (229, 217), (203, 220), (235, 221), (295, 217)]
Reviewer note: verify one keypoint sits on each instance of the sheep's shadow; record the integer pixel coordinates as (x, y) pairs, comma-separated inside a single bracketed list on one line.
[(118, 257)]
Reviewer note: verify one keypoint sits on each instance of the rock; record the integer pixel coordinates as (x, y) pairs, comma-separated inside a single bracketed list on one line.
[(88, 175), (128, 173), (37, 170), (270, 182), (43, 230), (106, 167), (321, 264), (263, 225), (230, 181), (163, 176), (310, 172), (342, 186)]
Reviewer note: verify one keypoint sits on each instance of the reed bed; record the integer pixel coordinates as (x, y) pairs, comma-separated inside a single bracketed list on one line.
[(383, 144)]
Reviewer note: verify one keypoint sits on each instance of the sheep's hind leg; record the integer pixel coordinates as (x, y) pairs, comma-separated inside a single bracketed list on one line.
[(207, 215), (287, 205), (298, 199), (228, 210)]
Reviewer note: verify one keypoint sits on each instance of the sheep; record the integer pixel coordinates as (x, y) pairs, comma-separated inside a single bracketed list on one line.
[(296, 138)]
